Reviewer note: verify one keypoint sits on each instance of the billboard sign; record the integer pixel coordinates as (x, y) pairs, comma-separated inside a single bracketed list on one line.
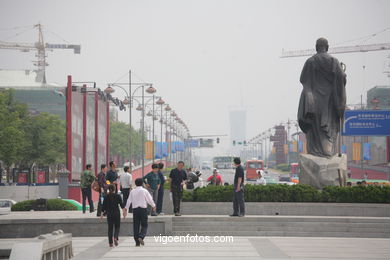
[(206, 143), (366, 123)]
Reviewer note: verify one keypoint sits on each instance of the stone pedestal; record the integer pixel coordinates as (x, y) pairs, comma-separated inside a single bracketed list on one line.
[(320, 172)]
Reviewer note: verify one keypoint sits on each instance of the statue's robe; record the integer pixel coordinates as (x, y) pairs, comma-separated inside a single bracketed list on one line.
[(322, 103)]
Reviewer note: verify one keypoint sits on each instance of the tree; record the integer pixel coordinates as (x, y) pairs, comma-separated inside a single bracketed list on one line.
[(26, 140), (13, 140), (46, 133), (119, 140)]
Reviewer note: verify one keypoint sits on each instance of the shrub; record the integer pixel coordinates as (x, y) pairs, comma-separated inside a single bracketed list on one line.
[(52, 204), (59, 204), (25, 205), (293, 193)]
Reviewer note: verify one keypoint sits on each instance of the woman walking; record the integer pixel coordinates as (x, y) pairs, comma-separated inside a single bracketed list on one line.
[(110, 208)]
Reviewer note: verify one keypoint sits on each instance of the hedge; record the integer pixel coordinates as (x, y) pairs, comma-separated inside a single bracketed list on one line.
[(52, 205), (292, 193)]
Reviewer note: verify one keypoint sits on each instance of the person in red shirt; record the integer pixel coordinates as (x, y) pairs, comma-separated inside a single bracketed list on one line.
[(215, 179)]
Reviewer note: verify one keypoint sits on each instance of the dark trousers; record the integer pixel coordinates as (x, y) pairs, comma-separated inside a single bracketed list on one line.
[(177, 194), (125, 192), (87, 194), (100, 205), (114, 224), (238, 203), (140, 219), (160, 200)]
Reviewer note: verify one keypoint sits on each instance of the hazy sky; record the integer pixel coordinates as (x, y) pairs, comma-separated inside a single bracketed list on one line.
[(203, 56)]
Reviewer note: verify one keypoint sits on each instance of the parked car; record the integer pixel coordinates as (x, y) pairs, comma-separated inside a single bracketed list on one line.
[(5, 205)]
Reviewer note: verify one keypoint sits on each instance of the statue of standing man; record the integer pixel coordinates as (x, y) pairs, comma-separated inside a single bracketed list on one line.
[(322, 102)]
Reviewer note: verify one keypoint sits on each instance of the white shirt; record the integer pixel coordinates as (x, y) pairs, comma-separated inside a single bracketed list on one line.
[(139, 198), (261, 181), (126, 180)]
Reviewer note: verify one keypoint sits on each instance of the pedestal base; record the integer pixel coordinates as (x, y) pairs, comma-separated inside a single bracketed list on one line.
[(320, 172)]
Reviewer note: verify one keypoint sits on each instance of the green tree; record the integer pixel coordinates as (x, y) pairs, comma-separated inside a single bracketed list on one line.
[(13, 141), (119, 140), (46, 133)]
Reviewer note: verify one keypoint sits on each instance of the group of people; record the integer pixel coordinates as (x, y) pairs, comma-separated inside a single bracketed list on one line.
[(145, 199), (147, 196)]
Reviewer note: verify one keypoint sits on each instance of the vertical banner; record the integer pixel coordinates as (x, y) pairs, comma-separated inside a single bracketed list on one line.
[(356, 151), (77, 117), (367, 151), (285, 146), (165, 149), (305, 147), (159, 149), (149, 150), (295, 147), (90, 131), (344, 149), (102, 132), (300, 146), (273, 150)]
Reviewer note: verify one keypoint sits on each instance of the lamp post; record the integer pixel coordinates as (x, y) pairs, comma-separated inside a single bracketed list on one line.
[(161, 102), (129, 98)]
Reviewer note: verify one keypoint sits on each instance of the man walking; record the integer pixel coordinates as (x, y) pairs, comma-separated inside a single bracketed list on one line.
[(152, 181), (139, 198), (161, 189), (112, 175), (85, 182), (103, 187), (238, 198), (126, 181), (177, 177)]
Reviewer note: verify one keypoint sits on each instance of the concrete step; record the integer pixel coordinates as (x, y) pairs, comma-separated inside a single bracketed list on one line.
[(285, 234), (283, 226), (282, 219), (300, 228)]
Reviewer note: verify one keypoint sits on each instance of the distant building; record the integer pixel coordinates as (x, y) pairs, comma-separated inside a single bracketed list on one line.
[(237, 128), (30, 89)]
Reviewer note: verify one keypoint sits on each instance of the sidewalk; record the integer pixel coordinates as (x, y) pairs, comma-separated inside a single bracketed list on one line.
[(244, 248)]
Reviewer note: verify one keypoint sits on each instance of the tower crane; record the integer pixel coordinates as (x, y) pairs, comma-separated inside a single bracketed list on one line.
[(341, 49), (40, 47)]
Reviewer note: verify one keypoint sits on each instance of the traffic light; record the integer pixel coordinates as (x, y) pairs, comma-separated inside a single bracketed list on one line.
[(217, 140), (234, 142)]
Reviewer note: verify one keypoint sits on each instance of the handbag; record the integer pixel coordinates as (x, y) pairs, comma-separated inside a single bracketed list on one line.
[(95, 186)]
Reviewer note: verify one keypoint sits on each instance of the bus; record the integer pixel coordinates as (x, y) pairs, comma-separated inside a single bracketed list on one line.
[(223, 162), (251, 168)]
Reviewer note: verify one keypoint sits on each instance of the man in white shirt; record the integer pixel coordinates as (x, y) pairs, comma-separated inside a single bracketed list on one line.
[(125, 180), (260, 180), (139, 198)]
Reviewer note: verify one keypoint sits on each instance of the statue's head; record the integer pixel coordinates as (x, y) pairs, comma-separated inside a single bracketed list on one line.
[(322, 45)]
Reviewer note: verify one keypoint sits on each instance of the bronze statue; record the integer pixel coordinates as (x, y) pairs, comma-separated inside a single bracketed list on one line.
[(322, 102)]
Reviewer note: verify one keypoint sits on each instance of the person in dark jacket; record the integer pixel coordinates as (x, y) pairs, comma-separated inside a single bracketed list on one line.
[(177, 178), (161, 189), (110, 208), (238, 198), (103, 187), (112, 175)]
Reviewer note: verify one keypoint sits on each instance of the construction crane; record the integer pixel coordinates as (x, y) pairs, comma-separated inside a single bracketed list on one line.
[(341, 49), (40, 47)]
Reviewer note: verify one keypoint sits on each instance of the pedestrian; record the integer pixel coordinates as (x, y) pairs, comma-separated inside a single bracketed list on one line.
[(110, 208), (161, 189), (87, 177), (103, 187), (126, 181), (260, 178), (139, 198), (112, 175), (238, 198), (216, 178), (177, 178), (152, 182)]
